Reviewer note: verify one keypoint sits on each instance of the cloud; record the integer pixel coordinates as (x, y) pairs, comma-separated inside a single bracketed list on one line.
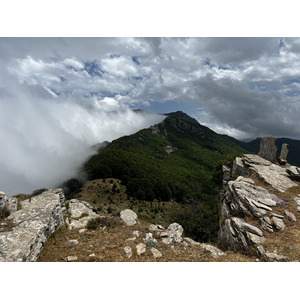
[(45, 140)]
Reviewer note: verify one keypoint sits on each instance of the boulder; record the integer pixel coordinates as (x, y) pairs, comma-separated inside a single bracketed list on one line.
[(268, 148), (38, 218), (172, 234), (128, 216), (80, 213)]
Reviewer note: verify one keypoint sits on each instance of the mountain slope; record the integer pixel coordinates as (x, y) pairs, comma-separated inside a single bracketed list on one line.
[(175, 161)]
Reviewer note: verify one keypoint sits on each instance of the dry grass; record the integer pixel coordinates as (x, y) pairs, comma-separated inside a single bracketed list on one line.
[(108, 244)]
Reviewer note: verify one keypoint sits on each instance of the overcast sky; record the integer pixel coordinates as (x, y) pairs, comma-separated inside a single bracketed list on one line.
[(57, 93)]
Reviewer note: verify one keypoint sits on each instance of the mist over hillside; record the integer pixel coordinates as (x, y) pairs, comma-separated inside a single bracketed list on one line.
[(48, 139)]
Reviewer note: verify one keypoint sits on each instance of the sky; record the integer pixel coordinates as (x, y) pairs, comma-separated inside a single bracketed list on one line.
[(60, 96)]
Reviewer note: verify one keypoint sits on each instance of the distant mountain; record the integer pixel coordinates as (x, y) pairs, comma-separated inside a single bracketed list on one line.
[(294, 148)]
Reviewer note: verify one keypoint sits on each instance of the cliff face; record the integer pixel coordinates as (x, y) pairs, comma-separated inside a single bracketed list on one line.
[(259, 205)]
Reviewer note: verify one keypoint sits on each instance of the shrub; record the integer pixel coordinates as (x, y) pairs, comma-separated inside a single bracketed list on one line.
[(151, 243), (4, 213), (93, 224), (38, 192)]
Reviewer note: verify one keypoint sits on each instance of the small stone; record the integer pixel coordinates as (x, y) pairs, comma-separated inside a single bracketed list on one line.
[(136, 233), (275, 256), (73, 242), (156, 253), (92, 255), (140, 248), (128, 251), (191, 241), (290, 216), (71, 258), (214, 251), (131, 239)]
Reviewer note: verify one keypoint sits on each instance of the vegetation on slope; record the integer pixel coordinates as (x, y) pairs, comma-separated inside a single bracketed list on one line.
[(176, 160)]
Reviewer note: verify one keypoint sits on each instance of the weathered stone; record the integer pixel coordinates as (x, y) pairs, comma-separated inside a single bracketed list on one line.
[(136, 233), (293, 172), (12, 204), (81, 212), (240, 234), (156, 227), (73, 242), (191, 241), (149, 238), (278, 223), (3, 200), (214, 251), (284, 152), (297, 200), (71, 258), (128, 251), (290, 216), (274, 256), (37, 219), (156, 253), (260, 250), (255, 239), (242, 196), (172, 234), (128, 216), (268, 148), (92, 255), (266, 224), (140, 248), (269, 173), (226, 173)]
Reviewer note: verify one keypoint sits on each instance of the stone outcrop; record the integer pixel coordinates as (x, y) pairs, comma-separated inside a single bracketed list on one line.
[(79, 214), (268, 172), (10, 204), (242, 198), (284, 152), (268, 148), (37, 219), (128, 216)]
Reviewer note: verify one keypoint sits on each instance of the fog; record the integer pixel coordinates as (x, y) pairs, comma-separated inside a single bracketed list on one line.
[(45, 139)]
